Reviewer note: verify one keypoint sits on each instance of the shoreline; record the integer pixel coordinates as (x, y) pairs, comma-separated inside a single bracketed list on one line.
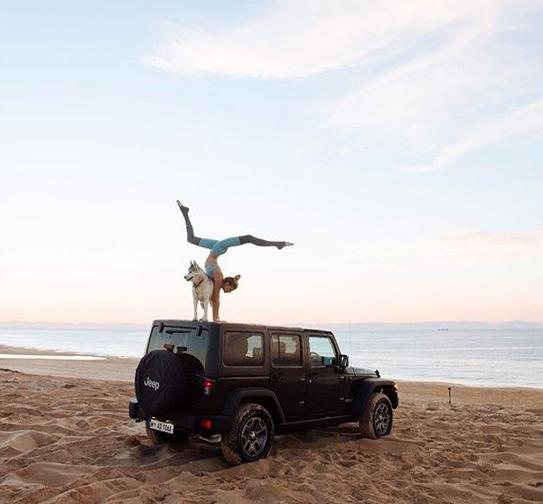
[(122, 369), (106, 368), (502, 359)]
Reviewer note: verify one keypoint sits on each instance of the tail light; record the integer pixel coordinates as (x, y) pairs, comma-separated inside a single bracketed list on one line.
[(206, 423), (208, 386)]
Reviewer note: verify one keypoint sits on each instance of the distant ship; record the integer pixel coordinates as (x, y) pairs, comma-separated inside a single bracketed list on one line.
[(443, 329)]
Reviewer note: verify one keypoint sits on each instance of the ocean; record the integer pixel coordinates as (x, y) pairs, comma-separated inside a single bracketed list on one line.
[(478, 356)]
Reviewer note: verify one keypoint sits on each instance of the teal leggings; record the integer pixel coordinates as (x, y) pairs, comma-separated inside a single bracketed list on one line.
[(219, 247)]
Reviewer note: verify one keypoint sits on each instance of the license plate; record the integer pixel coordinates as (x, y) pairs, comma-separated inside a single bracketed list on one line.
[(158, 425)]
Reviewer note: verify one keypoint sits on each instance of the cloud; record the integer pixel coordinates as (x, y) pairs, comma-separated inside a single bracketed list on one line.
[(478, 246), (460, 247), (523, 122), (436, 80), (465, 90), (301, 38)]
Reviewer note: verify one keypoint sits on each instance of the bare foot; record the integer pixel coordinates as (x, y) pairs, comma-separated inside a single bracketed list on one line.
[(280, 245), (183, 209)]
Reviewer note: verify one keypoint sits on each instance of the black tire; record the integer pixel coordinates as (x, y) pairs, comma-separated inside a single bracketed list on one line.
[(376, 419), (159, 438), (250, 437)]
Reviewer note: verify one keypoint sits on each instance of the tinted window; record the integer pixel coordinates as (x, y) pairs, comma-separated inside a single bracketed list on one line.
[(322, 351), (286, 349), (243, 349), (185, 340)]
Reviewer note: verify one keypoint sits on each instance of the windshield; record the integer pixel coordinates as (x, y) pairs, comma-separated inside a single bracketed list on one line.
[(187, 339)]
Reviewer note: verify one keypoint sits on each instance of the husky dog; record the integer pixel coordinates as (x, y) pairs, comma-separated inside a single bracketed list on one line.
[(202, 288)]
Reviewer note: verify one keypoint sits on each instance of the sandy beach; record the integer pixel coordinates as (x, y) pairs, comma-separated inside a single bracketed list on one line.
[(67, 438)]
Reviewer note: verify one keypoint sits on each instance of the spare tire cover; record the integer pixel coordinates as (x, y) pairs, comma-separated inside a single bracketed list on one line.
[(160, 383)]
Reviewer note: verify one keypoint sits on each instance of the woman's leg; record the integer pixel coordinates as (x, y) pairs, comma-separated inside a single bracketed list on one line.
[(220, 247), (259, 242), (196, 240), (190, 231)]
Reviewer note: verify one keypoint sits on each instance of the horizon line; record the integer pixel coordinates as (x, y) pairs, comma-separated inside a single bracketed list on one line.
[(297, 324)]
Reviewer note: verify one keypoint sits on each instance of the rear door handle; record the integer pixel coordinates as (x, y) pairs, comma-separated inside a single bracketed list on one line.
[(278, 376), (312, 377)]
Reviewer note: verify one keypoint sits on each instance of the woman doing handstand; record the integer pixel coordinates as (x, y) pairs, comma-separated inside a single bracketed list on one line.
[(217, 248)]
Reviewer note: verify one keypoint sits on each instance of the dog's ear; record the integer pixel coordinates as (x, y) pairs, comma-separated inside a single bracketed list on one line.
[(196, 264), (237, 277), (192, 263)]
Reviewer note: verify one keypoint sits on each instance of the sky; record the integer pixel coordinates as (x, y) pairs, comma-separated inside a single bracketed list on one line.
[(399, 145)]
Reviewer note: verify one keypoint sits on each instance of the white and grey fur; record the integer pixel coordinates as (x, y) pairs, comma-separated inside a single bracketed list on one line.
[(202, 288)]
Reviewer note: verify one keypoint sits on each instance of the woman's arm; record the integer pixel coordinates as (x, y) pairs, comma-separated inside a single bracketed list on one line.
[(216, 295)]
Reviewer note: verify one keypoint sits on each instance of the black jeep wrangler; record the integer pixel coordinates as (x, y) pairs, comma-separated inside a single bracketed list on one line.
[(246, 382)]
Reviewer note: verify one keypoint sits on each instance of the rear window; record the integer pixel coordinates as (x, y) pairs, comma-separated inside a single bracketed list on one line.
[(243, 349), (186, 340)]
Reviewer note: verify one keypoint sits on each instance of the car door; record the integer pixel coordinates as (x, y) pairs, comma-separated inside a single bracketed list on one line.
[(325, 382), (288, 373)]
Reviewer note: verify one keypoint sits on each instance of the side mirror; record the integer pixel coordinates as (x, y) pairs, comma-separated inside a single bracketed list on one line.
[(343, 361)]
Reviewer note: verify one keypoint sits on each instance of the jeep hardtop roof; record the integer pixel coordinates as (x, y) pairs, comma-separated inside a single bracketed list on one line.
[(195, 323)]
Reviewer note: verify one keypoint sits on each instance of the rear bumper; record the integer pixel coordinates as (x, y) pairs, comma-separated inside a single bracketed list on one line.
[(135, 410), (188, 422)]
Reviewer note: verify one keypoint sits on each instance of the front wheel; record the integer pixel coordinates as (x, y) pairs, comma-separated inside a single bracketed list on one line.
[(376, 419), (250, 437), (158, 438)]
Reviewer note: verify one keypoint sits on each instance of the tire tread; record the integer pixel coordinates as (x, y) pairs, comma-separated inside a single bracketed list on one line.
[(229, 441), (365, 424)]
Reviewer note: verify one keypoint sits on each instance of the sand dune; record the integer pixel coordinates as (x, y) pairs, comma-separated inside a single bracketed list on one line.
[(66, 440)]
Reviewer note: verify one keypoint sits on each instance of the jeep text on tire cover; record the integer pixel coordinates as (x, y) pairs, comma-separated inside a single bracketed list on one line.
[(243, 383), (151, 383)]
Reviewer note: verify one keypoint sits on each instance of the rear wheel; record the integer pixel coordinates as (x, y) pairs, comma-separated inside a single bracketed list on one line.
[(376, 419), (250, 437), (158, 438)]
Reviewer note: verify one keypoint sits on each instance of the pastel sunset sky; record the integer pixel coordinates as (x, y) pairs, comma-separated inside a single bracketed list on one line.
[(398, 144)]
